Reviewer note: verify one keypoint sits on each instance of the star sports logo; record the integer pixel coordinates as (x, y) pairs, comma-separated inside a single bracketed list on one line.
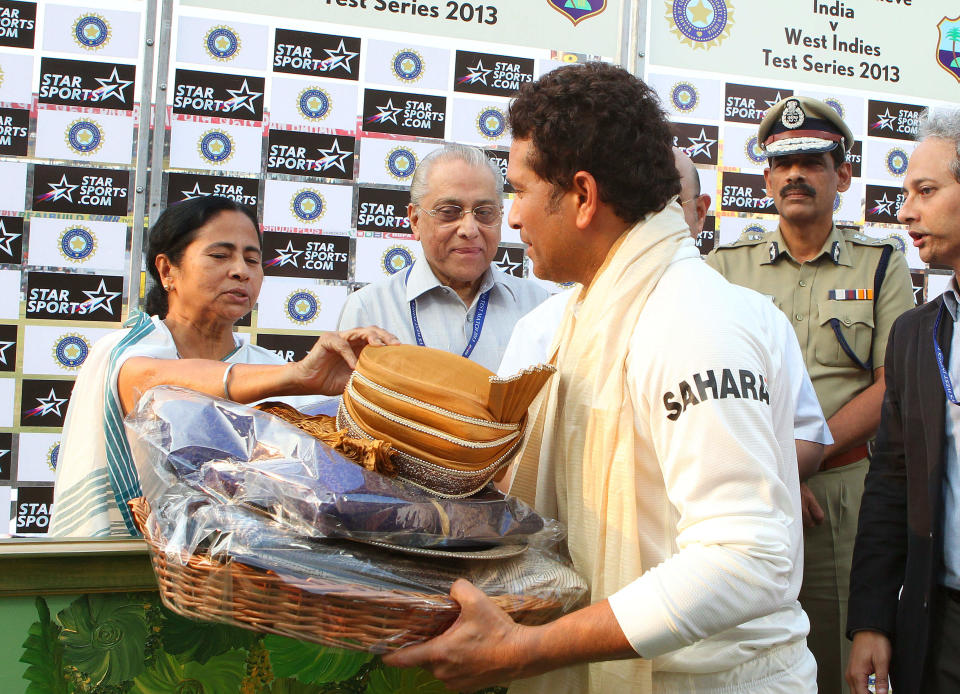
[(5, 358), (194, 193), (883, 206), (475, 75), (387, 114), (112, 86), (287, 256), (63, 190), (333, 157), (885, 121), (6, 239), (699, 145), (340, 57), (47, 405), (242, 98), (98, 299), (509, 261)]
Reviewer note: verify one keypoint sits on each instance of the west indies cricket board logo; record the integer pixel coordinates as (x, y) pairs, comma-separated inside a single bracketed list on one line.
[(947, 55), (700, 23), (578, 10)]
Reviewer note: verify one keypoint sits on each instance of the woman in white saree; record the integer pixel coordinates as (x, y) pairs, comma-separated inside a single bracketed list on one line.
[(204, 257)]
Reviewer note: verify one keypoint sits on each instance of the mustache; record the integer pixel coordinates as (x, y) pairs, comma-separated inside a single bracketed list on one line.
[(798, 187)]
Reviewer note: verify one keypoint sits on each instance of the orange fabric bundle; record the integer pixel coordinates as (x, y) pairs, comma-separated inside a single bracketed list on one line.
[(452, 423)]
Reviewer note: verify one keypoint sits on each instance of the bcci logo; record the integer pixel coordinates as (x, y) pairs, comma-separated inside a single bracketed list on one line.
[(408, 66), (401, 163), (308, 205), (52, 456), (684, 97), (84, 136), (70, 351), (77, 243), (492, 123), (835, 105), (215, 146), (752, 149), (754, 232), (222, 43), (700, 23), (314, 103), (837, 202), (302, 306), (896, 162), (898, 242), (578, 10), (91, 31), (395, 259)]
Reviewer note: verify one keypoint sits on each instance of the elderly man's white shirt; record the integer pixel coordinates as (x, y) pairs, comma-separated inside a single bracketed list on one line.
[(445, 321)]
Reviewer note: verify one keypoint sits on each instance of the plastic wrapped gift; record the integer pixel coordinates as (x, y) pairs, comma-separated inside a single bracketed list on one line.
[(249, 520), (242, 456)]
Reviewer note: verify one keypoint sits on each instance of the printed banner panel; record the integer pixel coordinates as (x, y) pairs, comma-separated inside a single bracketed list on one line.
[(16, 87), (85, 244), (37, 457), (219, 147), (313, 103), (897, 48), (389, 162), (378, 259), (584, 26), (102, 32), (299, 305), (58, 350), (85, 138), (313, 207), (222, 44)]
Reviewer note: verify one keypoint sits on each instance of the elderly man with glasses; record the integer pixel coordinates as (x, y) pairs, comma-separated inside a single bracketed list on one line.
[(455, 301)]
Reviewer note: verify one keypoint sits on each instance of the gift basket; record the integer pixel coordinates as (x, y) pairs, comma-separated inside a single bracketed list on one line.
[(253, 521)]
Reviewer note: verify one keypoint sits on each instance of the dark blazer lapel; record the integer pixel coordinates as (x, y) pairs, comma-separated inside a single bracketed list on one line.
[(933, 401)]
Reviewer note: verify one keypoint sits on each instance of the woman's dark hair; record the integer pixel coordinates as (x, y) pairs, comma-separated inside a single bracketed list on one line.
[(599, 118), (174, 230)]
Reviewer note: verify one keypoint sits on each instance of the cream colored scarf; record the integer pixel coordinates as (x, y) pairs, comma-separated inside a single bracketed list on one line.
[(578, 462)]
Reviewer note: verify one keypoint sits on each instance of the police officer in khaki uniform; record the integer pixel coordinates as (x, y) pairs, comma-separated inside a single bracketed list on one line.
[(842, 291)]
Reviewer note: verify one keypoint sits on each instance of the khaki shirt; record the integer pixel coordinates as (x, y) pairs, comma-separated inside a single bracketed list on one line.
[(848, 260)]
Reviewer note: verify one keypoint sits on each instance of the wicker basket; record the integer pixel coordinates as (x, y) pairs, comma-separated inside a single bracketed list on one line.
[(333, 614)]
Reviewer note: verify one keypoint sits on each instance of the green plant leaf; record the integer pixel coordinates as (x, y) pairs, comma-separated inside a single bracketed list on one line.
[(390, 680), (220, 674), (312, 663), (291, 685), (200, 641), (104, 636), (43, 653)]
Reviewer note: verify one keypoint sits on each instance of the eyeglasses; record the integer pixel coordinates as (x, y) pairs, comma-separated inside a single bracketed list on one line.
[(485, 215)]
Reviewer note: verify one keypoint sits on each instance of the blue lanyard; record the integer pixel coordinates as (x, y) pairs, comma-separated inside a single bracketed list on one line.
[(478, 317), (944, 374)]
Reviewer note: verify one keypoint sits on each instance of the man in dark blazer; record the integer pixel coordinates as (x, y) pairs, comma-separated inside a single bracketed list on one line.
[(909, 532)]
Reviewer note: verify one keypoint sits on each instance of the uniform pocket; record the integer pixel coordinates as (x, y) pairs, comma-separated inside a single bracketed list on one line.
[(855, 322)]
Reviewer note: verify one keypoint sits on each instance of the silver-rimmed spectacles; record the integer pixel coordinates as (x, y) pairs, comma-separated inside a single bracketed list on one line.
[(486, 215)]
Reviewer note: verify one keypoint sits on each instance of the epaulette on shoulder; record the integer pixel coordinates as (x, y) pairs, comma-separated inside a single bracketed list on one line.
[(854, 235), (747, 238)]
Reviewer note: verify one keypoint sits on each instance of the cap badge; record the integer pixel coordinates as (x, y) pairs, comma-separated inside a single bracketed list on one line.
[(792, 116)]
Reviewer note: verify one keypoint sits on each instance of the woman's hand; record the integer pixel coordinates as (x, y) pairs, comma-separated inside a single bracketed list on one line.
[(327, 367)]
